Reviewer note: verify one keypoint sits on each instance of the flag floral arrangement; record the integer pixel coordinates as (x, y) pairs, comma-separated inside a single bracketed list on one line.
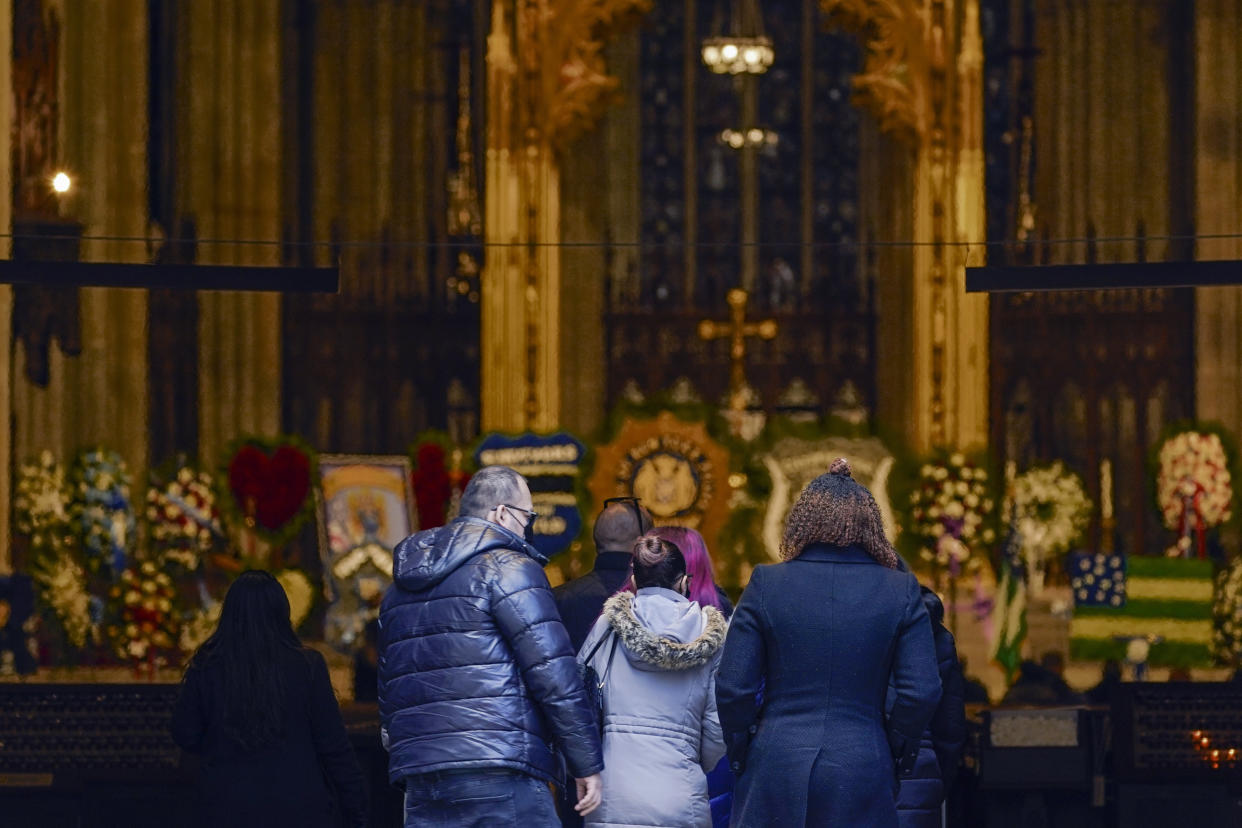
[(1227, 615), (1052, 510), (1194, 487), (951, 510), (101, 512), (144, 627), (183, 518)]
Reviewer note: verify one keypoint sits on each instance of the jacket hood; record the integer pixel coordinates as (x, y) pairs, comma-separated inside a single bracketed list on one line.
[(661, 630), (426, 558)]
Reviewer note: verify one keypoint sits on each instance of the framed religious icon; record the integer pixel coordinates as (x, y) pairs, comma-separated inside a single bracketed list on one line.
[(365, 505)]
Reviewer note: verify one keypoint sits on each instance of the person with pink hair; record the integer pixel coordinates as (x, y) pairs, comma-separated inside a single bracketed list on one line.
[(703, 588)]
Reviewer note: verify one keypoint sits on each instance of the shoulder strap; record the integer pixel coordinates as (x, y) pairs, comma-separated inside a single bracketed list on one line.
[(603, 679), (595, 649)]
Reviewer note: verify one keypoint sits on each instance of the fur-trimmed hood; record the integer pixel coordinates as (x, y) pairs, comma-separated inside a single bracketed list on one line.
[(660, 630)]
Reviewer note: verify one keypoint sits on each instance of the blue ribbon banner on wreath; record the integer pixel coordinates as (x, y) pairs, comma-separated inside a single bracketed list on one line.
[(550, 463)]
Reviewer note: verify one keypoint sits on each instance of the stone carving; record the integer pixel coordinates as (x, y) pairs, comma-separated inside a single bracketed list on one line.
[(561, 42), (557, 46), (895, 71)]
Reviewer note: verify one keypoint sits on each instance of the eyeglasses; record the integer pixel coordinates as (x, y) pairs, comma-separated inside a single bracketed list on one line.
[(634, 503), (530, 515)]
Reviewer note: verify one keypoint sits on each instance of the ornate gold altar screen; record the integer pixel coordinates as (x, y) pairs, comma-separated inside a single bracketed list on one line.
[(922, 80)]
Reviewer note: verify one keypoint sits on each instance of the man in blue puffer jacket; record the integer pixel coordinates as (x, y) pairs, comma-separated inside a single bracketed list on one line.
[(477, 678)]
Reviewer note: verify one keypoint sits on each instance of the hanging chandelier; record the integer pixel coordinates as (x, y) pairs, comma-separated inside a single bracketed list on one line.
[(753, 137), (745, 49)]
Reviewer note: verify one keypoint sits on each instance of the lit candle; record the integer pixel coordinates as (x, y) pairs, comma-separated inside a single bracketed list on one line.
[(1106, 489)]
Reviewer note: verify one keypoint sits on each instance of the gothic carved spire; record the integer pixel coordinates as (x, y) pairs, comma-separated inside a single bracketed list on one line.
[(560, 53), (891, 83)]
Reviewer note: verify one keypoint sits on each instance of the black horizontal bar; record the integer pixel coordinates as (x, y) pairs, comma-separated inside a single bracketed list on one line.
[(1102, 276), (175, 276)]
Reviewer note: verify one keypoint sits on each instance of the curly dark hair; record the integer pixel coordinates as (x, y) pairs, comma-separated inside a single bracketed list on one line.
[(836, 510)]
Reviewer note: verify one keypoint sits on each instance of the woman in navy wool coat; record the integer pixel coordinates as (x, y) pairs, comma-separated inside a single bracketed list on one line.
[(824, 634)]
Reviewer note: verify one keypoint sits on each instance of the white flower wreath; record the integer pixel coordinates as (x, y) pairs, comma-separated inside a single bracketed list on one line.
[(1052, 511), (1194, 489)]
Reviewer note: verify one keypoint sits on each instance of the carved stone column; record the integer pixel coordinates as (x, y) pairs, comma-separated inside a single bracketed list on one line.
[(1218, 208), (968, 342), (104, 129), (99, 394), (546, 84), (230, 183), (922, 80), (6, 292), (599, 202)]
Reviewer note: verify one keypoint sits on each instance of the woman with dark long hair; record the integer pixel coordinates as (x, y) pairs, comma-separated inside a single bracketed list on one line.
[(825, 634), (259, 708)]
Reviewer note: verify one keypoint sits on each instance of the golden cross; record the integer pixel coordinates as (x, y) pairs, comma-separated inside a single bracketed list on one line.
[(737, 329)]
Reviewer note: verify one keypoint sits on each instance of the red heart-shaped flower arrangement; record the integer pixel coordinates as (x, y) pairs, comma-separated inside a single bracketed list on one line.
[(269, 489)]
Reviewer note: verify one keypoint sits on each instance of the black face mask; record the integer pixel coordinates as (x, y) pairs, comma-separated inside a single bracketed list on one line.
[(528, 534)]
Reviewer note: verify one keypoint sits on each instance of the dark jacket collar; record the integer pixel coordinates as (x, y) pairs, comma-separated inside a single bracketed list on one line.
[(836, 554), (613, 560), (426, 558)]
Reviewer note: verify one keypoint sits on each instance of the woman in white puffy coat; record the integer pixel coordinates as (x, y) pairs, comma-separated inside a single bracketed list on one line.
[(657, 657)]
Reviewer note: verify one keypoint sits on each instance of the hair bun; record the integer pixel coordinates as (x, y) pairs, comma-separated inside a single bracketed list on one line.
[(841, 467), (649, 550)]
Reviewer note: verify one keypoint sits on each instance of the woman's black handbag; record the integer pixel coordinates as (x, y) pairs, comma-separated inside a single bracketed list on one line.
[(593, 682)]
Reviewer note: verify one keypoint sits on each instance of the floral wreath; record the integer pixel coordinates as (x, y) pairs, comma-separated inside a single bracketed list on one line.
[(63, 588), (183, 518), (1194, 489), (41, 503), (950, 510), (441, 470), (1052, 511), (1227, 615), (145, 623), (265, 485), (101, 510), (301, 594)]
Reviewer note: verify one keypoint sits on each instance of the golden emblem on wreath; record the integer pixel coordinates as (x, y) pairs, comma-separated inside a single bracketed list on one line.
[(666, 483), (677, 470)]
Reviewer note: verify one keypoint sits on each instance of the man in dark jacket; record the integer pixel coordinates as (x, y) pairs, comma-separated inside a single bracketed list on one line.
[(477, 677), (1042, 684), (581, 600), (940, 752)]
